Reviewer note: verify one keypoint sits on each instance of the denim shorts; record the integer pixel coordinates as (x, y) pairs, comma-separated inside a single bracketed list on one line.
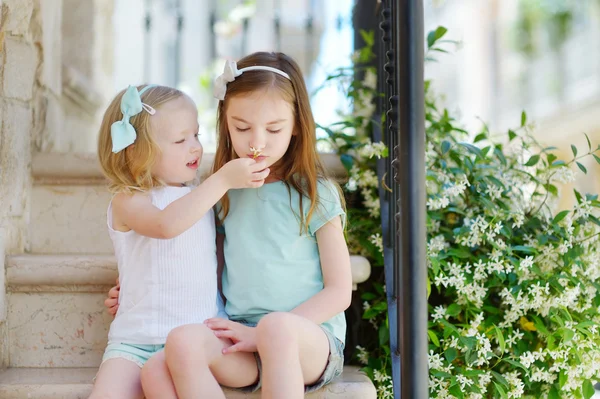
[(334, 367), (138, 354)]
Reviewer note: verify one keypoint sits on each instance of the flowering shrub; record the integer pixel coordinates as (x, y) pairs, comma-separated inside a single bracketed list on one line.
[(514, 307), (513, 291)]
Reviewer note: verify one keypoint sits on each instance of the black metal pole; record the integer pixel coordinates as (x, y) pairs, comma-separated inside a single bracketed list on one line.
[(178, 38), (388, 199), (410, 221), (147, 39), (277, 24)]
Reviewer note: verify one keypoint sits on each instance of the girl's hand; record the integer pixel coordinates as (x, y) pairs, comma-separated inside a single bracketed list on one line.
[(112, 302), (243, 337), (244, 173)]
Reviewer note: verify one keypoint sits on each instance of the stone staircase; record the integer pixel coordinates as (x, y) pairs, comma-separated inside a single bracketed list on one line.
[(57, 323)]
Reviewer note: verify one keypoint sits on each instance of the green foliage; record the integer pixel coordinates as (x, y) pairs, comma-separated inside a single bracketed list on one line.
[(512, 282)]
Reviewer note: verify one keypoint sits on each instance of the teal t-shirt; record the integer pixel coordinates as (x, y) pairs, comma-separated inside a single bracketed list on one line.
[(269, 265)]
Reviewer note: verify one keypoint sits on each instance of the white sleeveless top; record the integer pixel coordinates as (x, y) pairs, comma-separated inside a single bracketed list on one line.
[(165, 283)]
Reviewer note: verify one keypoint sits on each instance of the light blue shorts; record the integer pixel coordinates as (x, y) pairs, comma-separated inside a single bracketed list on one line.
[(139, 354), (334, 367)]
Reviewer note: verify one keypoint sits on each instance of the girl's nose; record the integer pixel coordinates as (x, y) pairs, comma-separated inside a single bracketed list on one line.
[(258, 140), (196, 147)]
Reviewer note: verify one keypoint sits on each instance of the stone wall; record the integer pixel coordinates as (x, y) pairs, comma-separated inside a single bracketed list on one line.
[(21, 45), (55, 62)]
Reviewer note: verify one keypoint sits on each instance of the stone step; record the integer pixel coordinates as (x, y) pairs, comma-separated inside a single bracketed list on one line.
[(75, 383), (69, 219), (56, 315), (70, 198)]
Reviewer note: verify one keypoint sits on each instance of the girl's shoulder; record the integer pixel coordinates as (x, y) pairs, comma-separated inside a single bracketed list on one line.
[(126, 197), (328, 189)]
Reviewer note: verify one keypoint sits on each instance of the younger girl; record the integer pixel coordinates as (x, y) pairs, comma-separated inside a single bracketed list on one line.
[(163, 232), (287, 277)]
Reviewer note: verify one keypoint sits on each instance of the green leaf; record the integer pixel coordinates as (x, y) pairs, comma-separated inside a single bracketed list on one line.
[(435, 35), (368, 37), (581, 167), (553, 394), (480, 137), (515, 363), (523, 118), (434, 339), (450, 354), (533, 160), (560, 216), (551, 158), (453, 310), (445, 146), (588, 389), (568, 334), (475, 150), (597, 158), (511, 135), (540, 326), (347, 161), (588, 141), (470, 357), (456, 391), (428, 288), (500, 390), (558, 163), (500, 338), (384, 335), (500, 378), (551, 189), (523, 248), (574, 149)]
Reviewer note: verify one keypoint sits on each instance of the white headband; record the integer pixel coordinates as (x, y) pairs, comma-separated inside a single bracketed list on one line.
[(230, 72)]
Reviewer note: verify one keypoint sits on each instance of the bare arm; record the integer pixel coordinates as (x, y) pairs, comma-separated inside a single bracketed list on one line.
[(137, 213), (337, 276)]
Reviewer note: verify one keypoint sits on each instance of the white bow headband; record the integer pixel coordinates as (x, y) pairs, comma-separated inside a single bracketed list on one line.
[(230, 72)]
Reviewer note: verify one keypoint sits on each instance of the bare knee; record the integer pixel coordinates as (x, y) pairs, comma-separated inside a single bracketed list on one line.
[(189, 342), (275, 328), (154, 372)]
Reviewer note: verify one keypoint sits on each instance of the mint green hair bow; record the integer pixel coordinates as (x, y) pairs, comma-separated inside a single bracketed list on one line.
[(122, 132)]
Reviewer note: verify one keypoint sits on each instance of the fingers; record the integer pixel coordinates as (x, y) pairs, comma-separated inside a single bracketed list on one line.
[(110, 302), (239, 347), (218, 324), (113, 310), (118, 284), (225, 334), (262, 175), (258, 166)]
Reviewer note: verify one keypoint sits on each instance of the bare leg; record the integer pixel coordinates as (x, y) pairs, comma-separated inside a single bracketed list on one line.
[(119, 379), (197, 365), (156, 379), (297, 343)]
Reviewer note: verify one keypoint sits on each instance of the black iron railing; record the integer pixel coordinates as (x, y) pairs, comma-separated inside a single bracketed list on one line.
[(403, 210)]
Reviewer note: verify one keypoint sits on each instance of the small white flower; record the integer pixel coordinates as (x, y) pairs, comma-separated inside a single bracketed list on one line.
[(439, 313), (370, 79), (363, 355)]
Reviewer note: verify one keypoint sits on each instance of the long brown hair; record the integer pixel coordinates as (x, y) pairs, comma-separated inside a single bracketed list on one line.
[(130, 169), (300, 167)]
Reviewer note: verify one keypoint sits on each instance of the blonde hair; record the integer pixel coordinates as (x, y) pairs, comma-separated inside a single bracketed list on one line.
[(130, 169), (300, 167)]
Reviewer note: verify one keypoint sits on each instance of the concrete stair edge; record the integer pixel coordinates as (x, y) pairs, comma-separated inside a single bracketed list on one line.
[(100, 269), (76, 383)]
